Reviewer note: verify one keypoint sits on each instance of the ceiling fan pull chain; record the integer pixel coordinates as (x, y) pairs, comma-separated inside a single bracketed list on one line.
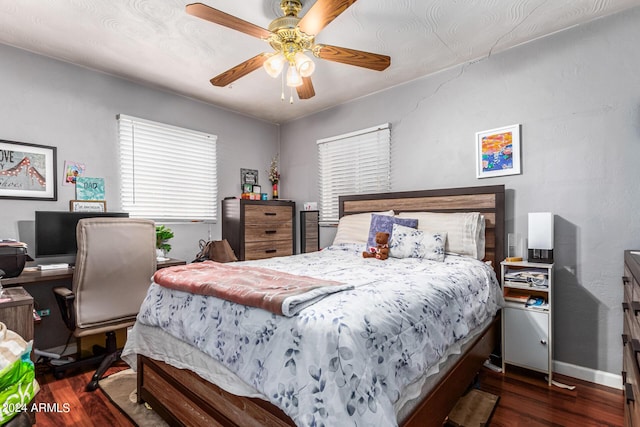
[(282, 87)]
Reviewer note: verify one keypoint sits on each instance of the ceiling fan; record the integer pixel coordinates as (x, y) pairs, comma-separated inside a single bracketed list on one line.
[(291, 37)]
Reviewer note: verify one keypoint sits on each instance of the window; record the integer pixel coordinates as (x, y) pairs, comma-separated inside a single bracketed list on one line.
[(354, 163), (167, 173)]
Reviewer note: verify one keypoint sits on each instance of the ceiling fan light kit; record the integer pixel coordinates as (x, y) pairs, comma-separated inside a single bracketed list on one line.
[(290, 37)]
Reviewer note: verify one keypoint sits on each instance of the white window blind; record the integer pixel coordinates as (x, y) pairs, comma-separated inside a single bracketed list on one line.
[(167, 172), (354, 163)]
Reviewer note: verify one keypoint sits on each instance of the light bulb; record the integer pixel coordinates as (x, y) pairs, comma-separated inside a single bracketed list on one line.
[(304, 64), (293, 77), (274, 64)]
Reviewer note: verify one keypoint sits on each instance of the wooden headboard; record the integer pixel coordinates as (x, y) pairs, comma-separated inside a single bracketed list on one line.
[(487, 200)]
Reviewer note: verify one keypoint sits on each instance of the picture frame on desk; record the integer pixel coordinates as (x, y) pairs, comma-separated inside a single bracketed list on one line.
[(27, 171), (87, 205)]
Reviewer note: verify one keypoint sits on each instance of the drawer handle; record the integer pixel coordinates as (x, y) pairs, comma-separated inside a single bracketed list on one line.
[(624, 377), (635, 346), (270, 251), (628, 393), (625, 306), (625, 280), (270, 213), (635, 306), (270, 231), (625, 339)]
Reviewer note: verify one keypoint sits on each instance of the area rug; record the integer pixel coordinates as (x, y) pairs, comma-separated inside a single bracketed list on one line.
[(120, 388), (474, 409)]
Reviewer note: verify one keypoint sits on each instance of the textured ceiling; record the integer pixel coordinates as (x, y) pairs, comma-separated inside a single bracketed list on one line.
[(155, 42)]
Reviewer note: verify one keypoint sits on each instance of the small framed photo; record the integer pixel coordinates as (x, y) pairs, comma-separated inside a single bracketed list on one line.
[(257, 189), (248, 176), (87, 205), (498, 152), (247, 188)]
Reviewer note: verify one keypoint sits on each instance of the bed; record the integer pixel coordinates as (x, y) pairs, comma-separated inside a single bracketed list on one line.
[(177, 369)]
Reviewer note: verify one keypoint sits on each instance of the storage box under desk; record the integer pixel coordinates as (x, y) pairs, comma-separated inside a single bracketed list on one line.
[(16, 311)]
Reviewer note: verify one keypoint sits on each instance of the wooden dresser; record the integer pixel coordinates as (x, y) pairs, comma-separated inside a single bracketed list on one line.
[(631, 338), (258, 229)]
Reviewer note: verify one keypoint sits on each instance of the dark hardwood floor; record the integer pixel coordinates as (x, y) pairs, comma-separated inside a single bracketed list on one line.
[(525, 400)]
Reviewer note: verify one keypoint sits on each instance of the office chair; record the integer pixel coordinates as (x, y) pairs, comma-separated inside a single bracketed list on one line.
[(115, 260)]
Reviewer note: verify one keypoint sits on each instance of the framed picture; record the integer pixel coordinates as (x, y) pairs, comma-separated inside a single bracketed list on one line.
[(27, 171), (247, 188), (72, 171), (498, 152), (89, 188), (248, 176), (87, 205), (257, 189)]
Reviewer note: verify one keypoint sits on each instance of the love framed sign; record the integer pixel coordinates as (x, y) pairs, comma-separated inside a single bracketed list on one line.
[(27, 171)]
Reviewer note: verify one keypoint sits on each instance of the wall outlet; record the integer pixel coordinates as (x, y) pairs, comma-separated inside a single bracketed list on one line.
[(44, 312)]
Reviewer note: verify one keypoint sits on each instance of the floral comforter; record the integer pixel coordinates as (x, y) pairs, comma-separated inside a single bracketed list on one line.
[(344, 360)]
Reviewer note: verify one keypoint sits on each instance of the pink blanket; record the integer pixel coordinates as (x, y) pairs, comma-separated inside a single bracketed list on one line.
[(281, 293)]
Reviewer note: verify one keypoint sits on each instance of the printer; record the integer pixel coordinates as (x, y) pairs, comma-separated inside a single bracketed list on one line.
[(13, 255)]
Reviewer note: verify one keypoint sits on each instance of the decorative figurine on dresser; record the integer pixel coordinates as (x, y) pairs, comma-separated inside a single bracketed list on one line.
[(257, 229)]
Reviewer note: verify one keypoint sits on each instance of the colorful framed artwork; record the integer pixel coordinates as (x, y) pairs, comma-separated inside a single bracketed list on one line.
[(27, 171), (87, 205), (72, 170), (498, 152)]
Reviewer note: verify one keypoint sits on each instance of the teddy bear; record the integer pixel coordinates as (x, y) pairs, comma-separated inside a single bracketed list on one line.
[(381, 250)]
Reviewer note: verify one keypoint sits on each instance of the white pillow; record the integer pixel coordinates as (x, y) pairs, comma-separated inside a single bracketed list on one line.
[(355, 228), (465, 230), (407, 242)]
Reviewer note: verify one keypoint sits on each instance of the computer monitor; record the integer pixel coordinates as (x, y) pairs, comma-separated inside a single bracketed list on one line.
[(55, 231)]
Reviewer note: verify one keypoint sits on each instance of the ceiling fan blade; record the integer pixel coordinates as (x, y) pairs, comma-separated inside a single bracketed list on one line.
[(218, 17), (306, 91), (321, 14), (373, 61), (240, 70)]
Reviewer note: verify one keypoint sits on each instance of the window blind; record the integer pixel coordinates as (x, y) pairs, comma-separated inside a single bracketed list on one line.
[(354, 163), (167, 172)]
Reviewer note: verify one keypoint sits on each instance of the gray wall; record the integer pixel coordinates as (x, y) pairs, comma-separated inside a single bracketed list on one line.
[(576, 95), (53, 103)]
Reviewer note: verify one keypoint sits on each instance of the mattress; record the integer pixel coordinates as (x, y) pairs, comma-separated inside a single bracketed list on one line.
[(353, 357)]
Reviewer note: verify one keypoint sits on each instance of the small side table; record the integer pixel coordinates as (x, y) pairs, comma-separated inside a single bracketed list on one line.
[(16, 311)]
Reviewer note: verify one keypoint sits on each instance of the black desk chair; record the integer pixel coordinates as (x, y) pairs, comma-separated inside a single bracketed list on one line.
[(115, 261)]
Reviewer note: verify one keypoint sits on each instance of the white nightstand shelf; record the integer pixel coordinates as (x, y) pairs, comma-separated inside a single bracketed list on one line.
[(527, 329)]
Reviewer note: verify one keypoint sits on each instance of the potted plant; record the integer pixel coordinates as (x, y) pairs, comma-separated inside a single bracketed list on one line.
[(163, 235)]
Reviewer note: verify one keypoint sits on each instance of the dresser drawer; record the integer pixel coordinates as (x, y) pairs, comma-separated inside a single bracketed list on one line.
[(631, 315), (268, 249), (268, 231), (632, 385), (258, 214)]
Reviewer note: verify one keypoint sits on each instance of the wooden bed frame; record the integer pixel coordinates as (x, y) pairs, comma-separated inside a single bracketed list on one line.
[(183, 398)]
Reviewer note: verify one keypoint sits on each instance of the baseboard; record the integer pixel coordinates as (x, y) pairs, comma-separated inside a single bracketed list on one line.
[(587, 374)]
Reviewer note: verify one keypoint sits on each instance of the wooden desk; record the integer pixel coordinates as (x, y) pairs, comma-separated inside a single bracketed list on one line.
[(32, 275)]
